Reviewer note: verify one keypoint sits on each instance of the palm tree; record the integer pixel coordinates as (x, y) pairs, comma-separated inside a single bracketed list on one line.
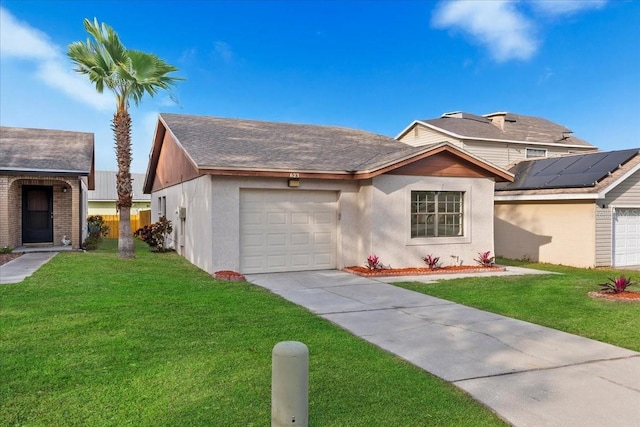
[(129, 74)]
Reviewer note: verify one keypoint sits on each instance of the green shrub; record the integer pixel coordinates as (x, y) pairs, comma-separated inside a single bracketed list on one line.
[(155, 235), (97, 230)]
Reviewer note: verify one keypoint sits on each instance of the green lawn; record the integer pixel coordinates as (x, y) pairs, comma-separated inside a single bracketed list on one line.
[(559, 301), (93, 340)]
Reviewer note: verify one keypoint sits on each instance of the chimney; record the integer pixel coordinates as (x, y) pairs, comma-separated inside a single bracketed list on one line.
[(497, 119)]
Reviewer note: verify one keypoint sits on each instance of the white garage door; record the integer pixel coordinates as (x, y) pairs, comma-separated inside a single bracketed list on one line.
[(626, 244), (287, 230)]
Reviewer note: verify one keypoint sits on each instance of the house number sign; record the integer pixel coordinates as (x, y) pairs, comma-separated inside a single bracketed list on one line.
[(294, 175)]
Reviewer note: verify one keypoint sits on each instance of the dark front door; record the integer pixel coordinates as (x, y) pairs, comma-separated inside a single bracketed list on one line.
[(37, 214)]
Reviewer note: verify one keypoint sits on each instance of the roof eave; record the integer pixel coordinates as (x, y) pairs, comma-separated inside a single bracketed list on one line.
[(473, 138), (66, 172)]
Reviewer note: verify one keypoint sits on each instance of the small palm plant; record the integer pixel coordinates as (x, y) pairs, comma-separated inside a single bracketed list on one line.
[(373, 263), (485, 259), (431, 261), (617, 285)]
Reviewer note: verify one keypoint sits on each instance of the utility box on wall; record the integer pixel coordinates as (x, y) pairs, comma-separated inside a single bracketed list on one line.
[(182, 212)]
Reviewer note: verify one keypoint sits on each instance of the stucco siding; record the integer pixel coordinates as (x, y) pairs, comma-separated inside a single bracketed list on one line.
[(558, 233), (390, 220), (211, 237)]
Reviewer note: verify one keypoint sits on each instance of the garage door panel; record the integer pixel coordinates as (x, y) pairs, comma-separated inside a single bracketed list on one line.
[(299, 260), (276, 261), (324, 218), (252, 218), (279, 239), (300, 218), (288, 230), (322, 238), (276, 218), (299, 239), (253, 240)]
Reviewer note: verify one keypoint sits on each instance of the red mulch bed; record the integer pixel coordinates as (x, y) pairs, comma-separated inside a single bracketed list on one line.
[(231, 276), (418, 271), (5, 258), (620, 296)]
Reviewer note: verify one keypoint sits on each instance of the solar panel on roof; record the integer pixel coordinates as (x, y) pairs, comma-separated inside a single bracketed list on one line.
[(567, 172)]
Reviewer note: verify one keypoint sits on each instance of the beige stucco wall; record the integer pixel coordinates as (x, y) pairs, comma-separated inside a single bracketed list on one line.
[(553, 232), (390, 220), (374, 217)]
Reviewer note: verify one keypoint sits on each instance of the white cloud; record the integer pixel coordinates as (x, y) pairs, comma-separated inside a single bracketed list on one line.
[(502, 26), (566, 7), (223, 50), (497, 25), (23, 42)]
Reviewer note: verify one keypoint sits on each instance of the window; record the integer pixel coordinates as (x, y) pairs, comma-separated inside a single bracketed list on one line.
[(535, 153), (437, 214), (162, 206)]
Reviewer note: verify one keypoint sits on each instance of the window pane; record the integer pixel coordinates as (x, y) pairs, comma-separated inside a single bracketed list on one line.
[(437, 213)]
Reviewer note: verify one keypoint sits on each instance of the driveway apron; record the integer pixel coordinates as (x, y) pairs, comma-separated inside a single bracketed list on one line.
[(528, 374)]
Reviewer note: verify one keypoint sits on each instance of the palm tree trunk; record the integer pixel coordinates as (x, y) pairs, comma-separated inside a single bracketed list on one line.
[(122, 131)]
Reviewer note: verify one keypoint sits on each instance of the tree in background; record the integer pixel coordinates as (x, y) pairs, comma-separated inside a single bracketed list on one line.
[(129, 74)]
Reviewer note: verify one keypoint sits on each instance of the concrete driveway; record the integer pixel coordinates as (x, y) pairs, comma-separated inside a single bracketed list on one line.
[(528, 374)]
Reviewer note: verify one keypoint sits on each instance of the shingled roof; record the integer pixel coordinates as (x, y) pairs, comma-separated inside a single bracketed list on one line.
[(214, 142), (222, 146), (45, 150), (516, 128)]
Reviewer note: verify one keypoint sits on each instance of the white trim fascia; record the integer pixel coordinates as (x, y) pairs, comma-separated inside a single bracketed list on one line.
[(510, 141), (543, 197), (407, 129), (603, 193)]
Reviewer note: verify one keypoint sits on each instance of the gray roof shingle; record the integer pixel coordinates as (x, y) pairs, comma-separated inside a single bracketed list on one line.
[(516, 128), (24, 149), (214, 142)]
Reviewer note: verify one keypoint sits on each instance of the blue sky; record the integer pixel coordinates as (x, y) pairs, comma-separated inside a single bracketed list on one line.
[(371, 65)]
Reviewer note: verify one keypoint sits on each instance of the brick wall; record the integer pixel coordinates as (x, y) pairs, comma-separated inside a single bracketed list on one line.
[(66, 215)]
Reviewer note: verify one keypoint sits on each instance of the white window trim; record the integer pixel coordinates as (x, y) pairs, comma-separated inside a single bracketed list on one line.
[(466, 215), (526, 153)]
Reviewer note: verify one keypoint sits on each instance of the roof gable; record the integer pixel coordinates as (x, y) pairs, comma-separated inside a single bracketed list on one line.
[(446, 164)]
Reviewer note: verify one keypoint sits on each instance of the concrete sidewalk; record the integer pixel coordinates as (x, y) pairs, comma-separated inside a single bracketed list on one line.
[(15, 271), (528, 374)]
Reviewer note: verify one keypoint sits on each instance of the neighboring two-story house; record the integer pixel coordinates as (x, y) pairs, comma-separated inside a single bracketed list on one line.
[(581, 210), (499, 138)]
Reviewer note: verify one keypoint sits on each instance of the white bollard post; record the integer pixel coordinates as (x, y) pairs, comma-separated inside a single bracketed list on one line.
[(290, 384)]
